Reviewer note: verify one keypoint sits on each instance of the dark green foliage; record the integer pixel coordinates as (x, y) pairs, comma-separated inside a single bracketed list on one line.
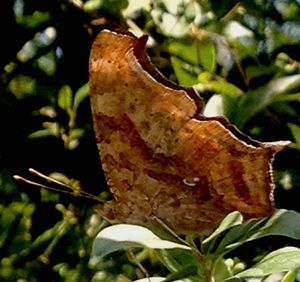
[(243, 59)]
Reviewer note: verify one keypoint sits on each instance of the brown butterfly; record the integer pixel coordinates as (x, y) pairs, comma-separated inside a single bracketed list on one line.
[(161, 157)]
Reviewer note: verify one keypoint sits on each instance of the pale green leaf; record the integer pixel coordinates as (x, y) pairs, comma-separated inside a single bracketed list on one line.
[(124, 236), (214, 106), (92, 5), (282, 260)]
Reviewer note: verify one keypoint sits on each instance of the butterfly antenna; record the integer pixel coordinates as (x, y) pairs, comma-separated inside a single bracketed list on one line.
[(69, 190)]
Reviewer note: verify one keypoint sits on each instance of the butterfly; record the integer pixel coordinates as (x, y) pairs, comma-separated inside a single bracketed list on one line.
[(161, 157)]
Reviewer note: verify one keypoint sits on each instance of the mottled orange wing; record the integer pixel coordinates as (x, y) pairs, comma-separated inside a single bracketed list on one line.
[(160, 156)]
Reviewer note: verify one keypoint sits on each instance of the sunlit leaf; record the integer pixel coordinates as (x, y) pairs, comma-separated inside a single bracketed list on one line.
[(284, 259), (172, 20), (92, 5), (214, 106), (124, 236)]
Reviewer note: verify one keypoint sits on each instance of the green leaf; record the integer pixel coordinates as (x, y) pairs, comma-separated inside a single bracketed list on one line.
[(290, 276), (80, 95), (238, 235), (220, 105), (282, 260), (225, 88), (174, 18), (206, 52), (284, 107), (65, 97), (41, 133), (186, 57), (256, 100), (295, 129), (232, 219), (195, 53), (186, 51), (235, 279), (76, 133), (184, 72), (182, 263), (221, 270), (224, 102), (281, 223), (111, 7), (253, 71), (92, 5), (35, 20), (174, 259), (72, 144), (124, 236), (188, 270), (156, 279)]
